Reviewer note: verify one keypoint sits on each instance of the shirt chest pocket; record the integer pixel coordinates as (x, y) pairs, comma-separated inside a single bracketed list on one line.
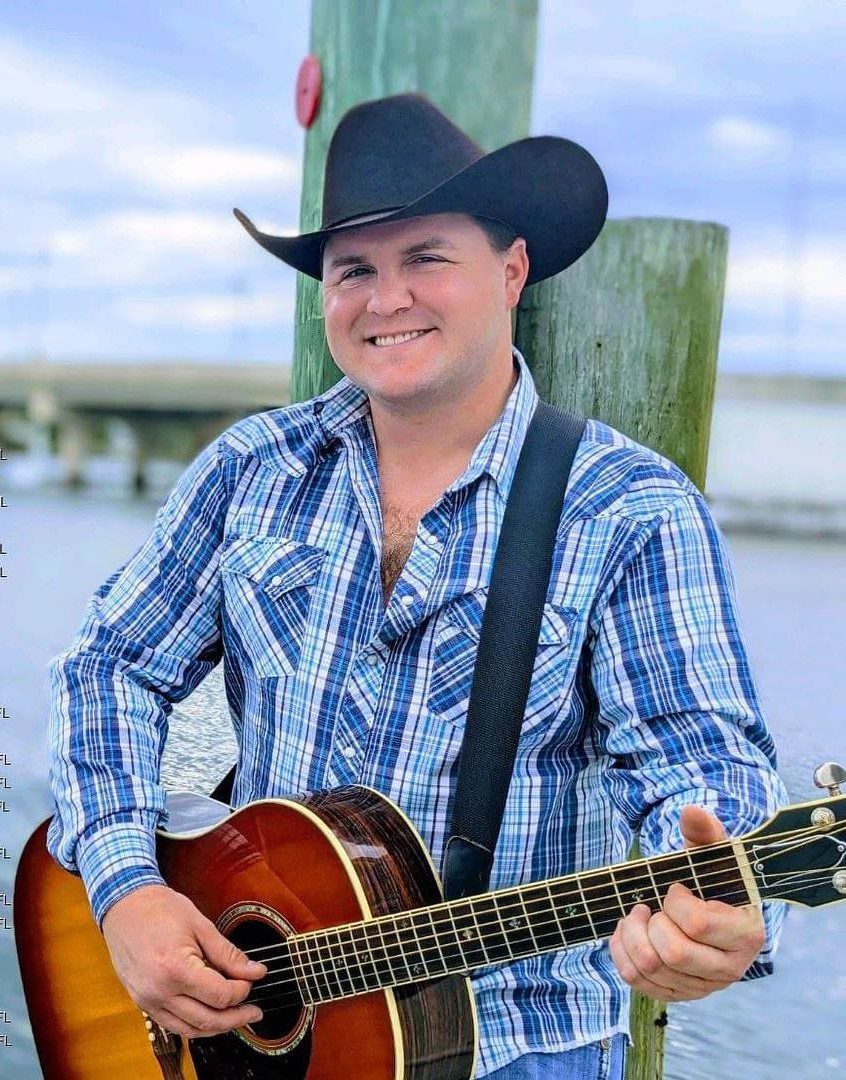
[(267, 591), (455, 644)]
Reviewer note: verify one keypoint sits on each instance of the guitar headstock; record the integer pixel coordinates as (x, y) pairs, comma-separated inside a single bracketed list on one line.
[(800, 854)]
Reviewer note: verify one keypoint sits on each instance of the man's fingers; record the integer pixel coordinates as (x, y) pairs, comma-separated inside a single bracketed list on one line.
[(699, 826), (681, 954), (713, 923), (186, 1016), (224, 956), (205, 1021), (198, 980), (642, 966)]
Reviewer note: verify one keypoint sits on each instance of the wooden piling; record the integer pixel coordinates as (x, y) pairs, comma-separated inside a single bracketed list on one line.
[(628, 335)]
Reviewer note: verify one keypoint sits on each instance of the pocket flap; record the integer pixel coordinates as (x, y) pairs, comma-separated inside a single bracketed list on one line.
[(273, 562), (466, 611)]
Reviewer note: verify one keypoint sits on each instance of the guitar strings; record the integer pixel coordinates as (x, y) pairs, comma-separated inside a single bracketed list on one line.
[(433, 941), (277, 1002), (316, 947), (658, 865)]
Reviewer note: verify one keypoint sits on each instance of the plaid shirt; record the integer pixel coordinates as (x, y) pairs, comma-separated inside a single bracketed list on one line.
[(267, 554)]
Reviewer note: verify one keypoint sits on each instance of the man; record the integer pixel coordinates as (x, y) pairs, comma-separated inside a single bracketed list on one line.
[(337, 554)]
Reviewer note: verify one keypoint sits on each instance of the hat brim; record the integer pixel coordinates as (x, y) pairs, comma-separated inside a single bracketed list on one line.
[(549, 190)]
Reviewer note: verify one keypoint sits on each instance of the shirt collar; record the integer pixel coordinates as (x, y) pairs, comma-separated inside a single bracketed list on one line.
[(344, 404)]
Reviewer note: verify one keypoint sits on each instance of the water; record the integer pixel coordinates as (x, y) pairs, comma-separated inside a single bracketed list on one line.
[(793, 605)]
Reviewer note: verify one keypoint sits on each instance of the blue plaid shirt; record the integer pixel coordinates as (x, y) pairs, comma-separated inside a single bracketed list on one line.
[(267, 554)]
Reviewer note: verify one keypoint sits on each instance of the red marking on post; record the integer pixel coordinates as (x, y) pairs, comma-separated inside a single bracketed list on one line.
[(309, 85)]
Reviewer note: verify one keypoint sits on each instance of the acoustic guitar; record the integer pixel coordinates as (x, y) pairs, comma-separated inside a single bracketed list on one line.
[(367, 965)]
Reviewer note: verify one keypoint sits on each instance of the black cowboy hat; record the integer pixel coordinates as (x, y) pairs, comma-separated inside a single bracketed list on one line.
[(400, 157)]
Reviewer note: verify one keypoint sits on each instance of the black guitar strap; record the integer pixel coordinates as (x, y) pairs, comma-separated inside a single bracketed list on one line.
[(508, 641)]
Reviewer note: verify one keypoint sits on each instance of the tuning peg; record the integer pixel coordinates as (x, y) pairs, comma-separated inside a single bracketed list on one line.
[(830, 775)]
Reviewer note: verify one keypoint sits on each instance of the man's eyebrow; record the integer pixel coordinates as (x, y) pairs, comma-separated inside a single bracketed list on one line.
[(429, 244)]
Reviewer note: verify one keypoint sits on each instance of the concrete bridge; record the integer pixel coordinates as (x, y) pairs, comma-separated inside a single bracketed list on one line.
[(171, 409), (776, 452)]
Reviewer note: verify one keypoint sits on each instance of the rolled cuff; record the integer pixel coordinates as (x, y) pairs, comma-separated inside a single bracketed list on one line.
[(114, 860)]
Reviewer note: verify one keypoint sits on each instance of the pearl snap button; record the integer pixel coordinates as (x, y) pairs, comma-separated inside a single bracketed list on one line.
[(276, 580), (372, 660), (349, 751), (407, 600)]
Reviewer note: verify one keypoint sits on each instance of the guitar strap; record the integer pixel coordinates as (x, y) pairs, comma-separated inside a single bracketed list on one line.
[(508, 641), (502, 674)]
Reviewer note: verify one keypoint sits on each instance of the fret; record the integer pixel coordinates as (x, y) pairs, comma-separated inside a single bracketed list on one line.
[(337, 961), (472, 944), (587, 909), (517, 923), (634, 886), (418, 959), (667, 869), (427, 951), (617, 891), (571, 912), (697, 886), (658, 900), (433, 936), (299, 972), (718, 874), (364, 956), (601, 897), (400, 926), (494, 938), (460, 955), (554, 910), (387, 974), (318, 968)]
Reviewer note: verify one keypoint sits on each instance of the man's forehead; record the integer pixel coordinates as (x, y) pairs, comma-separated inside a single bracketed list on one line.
[(446, 227)]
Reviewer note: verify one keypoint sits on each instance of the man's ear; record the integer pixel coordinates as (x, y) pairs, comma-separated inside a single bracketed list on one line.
[(516, 269)]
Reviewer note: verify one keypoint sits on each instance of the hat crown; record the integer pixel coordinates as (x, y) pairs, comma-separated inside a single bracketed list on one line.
[(387, 153)]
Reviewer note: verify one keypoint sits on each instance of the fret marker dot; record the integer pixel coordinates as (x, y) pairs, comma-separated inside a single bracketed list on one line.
[(467, 934)]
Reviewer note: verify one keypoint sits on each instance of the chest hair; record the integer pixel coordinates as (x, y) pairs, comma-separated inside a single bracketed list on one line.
[(399, 528)]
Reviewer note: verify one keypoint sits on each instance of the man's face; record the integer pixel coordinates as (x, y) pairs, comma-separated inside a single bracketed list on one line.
[(436, 274)]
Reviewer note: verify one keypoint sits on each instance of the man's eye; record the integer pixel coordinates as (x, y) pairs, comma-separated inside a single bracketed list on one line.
[(427, 258), (352, 272)]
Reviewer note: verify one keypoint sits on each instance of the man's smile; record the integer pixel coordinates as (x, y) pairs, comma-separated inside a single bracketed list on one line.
[(382, 341)]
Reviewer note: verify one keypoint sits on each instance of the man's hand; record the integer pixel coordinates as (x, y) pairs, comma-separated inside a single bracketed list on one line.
[(177, 966), (692, 947)]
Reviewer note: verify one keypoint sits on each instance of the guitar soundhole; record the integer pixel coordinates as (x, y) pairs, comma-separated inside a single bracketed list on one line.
[(261, 933)]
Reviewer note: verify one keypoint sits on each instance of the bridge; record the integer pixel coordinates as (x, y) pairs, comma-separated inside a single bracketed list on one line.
[(777, 441), (171, 409)]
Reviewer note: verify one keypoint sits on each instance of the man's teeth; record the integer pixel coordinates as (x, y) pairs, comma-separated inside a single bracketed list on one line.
[(397, 339)]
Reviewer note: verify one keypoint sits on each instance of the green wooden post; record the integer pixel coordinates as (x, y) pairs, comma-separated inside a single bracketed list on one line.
[(629, 335), (647, 297), (474, 60)]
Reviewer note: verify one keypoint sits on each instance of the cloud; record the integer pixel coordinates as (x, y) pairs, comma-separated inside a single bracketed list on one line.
[(207, 311), (138, 246), (746, 137), (193, 169), (765, 278)]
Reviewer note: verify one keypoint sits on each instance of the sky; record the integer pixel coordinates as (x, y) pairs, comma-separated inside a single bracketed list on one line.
[(131, 130)]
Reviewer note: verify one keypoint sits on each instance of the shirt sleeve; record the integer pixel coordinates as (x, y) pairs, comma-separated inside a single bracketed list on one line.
[(678, 707), (149, 636)]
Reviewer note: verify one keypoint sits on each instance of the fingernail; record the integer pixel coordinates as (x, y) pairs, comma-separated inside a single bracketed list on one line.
[(256, 966), (257, 1015)]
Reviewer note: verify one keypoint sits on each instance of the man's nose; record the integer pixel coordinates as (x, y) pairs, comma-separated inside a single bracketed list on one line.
[(389, 293)]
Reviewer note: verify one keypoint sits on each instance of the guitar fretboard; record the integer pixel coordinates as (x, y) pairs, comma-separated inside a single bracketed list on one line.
[(498, 927)]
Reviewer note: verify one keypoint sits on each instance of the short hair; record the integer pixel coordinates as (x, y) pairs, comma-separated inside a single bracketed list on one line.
[(500, 234)]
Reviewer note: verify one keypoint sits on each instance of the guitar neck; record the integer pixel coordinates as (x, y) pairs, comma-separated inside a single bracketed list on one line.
[(509, 924)]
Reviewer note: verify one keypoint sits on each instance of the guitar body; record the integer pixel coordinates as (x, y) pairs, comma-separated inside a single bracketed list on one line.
[(269, 869)]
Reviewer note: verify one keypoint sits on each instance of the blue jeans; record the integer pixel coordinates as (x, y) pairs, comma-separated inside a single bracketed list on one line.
[(592, 1062)]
